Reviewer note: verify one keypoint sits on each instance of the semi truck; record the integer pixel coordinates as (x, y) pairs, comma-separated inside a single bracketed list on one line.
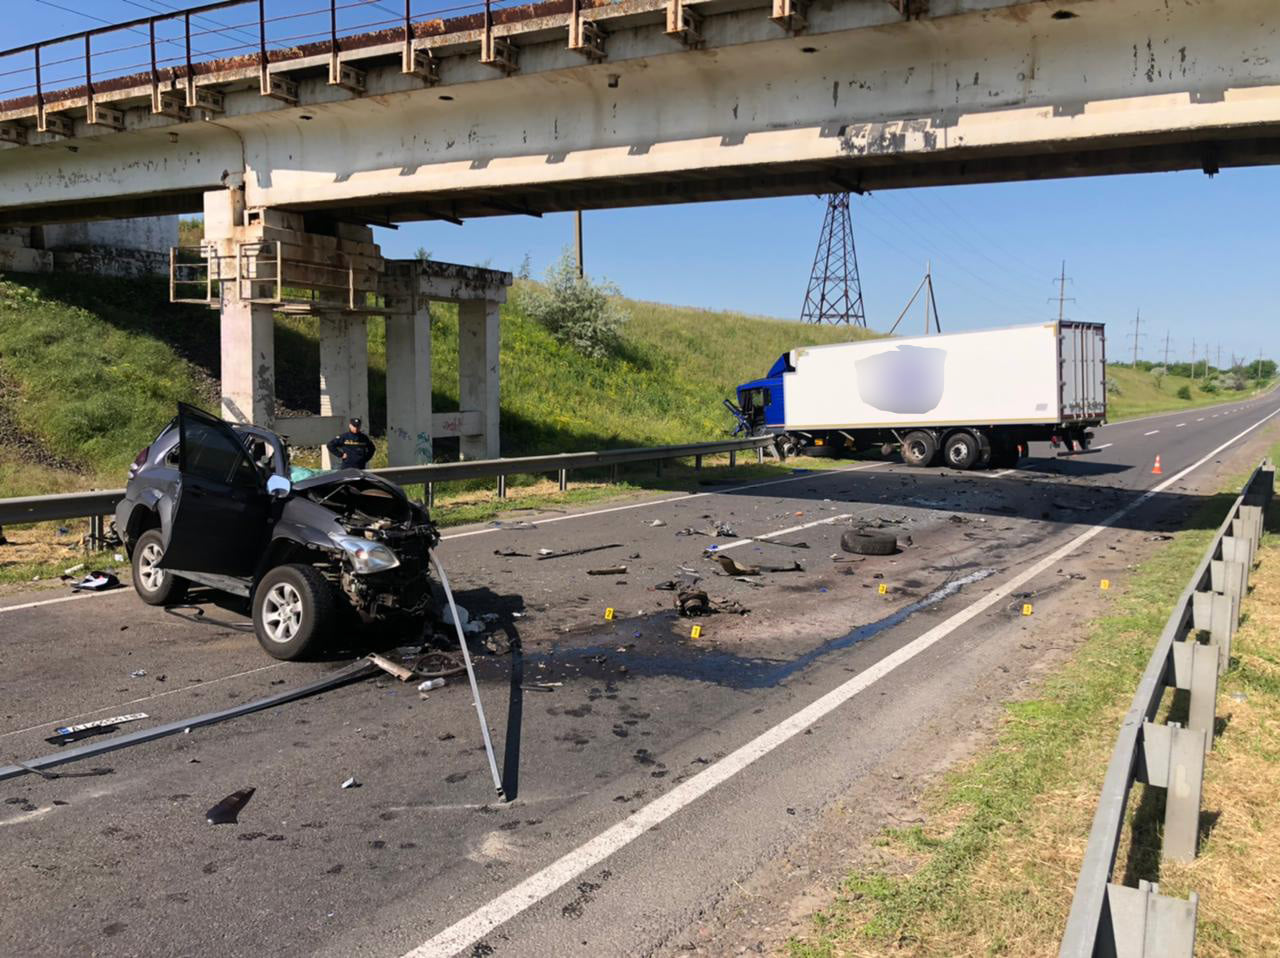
[(967, 400)]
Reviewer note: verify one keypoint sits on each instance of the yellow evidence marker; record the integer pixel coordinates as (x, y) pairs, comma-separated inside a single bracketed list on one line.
[(608, 614), (1026, 608), (884, 589), (1105, 584), (696, 632)]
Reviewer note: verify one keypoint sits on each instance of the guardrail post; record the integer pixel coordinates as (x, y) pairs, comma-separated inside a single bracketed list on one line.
[(659, 468), (1173, 759), (613, 473), (1195, 668), (1211, 612), (1144, 922), (96, 534), (564, 480), (760, 455), (697, 463), (431, 495), (502, 485), (733, 458)]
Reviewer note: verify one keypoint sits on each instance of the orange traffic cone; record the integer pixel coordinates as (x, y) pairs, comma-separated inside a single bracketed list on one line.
[(1156, 470)]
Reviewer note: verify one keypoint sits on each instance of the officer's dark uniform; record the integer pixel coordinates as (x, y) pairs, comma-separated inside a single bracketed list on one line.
[(355, 449)]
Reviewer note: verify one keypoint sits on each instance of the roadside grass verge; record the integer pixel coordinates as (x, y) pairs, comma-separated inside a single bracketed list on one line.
[(993, 869), (1141, 396)]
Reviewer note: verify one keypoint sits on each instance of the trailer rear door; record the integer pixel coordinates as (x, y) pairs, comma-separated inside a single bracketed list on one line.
[(1082, 358)]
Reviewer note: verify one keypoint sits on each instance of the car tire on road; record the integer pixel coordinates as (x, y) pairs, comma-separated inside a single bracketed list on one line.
[(918, 448), (868, 543), (155, 586), (293, 609)]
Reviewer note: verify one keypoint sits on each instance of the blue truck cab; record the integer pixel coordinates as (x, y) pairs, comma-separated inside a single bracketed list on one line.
[(761, 402)]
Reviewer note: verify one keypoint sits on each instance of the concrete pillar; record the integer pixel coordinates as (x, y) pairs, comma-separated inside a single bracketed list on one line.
[(248, 361), (478, 374), (344, 369), (409, 387)]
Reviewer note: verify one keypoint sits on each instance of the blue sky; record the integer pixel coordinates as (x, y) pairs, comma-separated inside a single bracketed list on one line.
[(1196, 255)]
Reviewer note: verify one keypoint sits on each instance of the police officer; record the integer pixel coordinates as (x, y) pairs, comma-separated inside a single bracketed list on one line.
[(354, 448)]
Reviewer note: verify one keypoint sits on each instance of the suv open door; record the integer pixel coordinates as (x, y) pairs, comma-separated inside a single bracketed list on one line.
[(221, 519)]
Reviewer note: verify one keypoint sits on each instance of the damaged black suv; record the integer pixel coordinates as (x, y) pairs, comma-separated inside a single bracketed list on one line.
[(211, 502)]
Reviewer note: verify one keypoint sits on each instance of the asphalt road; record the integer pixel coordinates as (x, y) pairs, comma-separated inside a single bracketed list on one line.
[(653, 774)]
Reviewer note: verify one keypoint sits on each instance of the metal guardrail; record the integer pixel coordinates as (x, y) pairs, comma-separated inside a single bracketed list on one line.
[(1110, 919), (79, 505)]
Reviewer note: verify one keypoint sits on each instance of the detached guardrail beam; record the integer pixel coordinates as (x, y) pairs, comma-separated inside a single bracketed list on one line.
[(79, 505), (1109, 919)]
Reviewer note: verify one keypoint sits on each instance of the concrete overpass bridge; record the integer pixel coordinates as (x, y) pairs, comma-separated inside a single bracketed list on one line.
[(292, 150)]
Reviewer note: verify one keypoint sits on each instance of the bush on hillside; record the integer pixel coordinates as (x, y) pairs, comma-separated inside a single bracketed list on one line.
[(1184, 392), (1113, 387), (577, 311), (1158, 374), (1209, 386)]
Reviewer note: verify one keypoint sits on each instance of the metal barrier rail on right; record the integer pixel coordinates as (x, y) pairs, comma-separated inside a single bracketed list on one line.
[(1109, 919)]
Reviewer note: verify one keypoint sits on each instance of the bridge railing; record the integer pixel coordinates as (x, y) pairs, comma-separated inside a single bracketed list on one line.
[(1108, 918), (94, 505), (170, 47)]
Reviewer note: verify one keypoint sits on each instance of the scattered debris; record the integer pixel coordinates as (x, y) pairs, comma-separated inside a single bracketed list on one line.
[(511, 553), (96, 582), (67, 734), (862, 542), (610, 570), (548, 554), (73, 569), (655, 523), (693, 603), (431, 684), (512, 524), (734, 567), (138, 674), (1159, 537), (351, 783), (465, 621), (392, 668), (227, 811)]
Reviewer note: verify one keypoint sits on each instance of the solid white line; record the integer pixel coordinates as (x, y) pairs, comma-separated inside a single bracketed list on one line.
[(66, 719), (469, 930), (1151, 433), (817, 473), (1179, 425), (713, 548), (1105, 445), (64, 598), (1201, 419)]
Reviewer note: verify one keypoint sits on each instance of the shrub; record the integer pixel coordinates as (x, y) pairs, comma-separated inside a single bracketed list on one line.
[(1113, 388), (1158, 374), (1184, 392), (576, 311), (1209, 386)]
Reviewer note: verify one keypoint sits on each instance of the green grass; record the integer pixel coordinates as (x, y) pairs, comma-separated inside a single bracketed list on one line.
[(987, 875), (1140, 396)]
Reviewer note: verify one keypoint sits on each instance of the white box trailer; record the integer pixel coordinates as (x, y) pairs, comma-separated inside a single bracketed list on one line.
[(973, 398)]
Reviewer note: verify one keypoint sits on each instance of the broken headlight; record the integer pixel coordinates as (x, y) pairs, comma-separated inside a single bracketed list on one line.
[(366, 556)]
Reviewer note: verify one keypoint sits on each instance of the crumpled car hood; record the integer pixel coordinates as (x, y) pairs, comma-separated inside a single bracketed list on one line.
[(344, 476)]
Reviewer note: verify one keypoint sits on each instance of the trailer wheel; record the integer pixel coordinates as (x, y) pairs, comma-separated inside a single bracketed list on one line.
[(919, 448), (960, 450), (868, 543)]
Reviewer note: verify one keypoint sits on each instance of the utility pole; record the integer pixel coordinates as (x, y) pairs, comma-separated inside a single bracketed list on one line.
[(1137, 326), (1166, 349), (1218, 364), (1193, 358), (1063, 298), (1257, 369), (577, 239)]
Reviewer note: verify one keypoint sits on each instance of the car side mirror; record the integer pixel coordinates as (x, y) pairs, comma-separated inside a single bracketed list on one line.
[(278, 487)]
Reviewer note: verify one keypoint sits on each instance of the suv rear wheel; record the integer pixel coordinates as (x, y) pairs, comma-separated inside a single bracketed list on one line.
[(292, 610), (155, 586)]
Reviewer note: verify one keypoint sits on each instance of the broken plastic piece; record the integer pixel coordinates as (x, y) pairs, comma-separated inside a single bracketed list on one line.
[(67, 734), (138, 674), (431, 684), (351, 783), (226, 812), (610, 570), (96, 582)]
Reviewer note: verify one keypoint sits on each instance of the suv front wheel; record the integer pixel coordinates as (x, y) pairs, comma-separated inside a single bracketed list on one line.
[(155, 586), (292, 610)]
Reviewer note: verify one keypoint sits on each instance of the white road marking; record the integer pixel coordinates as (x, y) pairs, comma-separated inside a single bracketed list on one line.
[(1105, 445), (145, 698), (1201, 419), (817, 473), (471, 929), (1005, 472), (1151, 433), (64, 598), (713, 548), (1179, 425)]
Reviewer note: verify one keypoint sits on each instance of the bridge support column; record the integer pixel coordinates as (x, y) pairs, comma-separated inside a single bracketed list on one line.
[(344, 369), (409, 387), (248, 362), (478, 341)]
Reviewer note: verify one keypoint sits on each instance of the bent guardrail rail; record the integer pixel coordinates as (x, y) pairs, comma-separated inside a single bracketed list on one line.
[(1110, 919), (80, 505)]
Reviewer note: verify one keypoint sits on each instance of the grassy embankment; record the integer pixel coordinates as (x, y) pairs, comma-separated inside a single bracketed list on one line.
[(993, 869), (1141, 394)]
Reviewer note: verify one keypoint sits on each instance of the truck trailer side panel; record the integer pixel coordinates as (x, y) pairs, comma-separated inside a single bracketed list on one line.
[(991, 377)]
